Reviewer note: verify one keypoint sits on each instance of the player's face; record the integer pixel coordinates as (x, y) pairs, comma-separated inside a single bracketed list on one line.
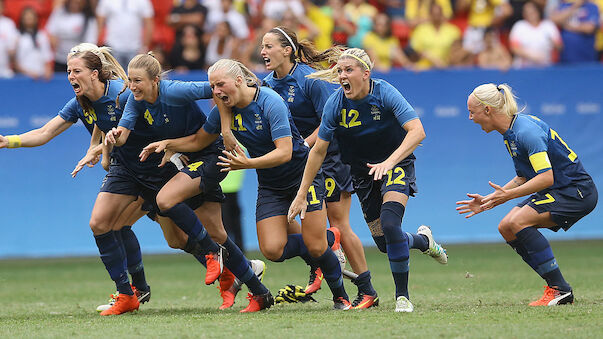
[(80, 77), (353, 78), (224, 87), (479, 115), (272, 52), (141, 85)]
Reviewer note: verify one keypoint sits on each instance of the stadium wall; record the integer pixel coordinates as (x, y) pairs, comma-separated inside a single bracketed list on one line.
[(45, 212)]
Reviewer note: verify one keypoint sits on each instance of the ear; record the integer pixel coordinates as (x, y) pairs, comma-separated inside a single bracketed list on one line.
[(287, 51), (239, 81), (95, 74), (366, 75)]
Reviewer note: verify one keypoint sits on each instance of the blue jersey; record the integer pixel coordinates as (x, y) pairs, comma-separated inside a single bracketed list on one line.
[(369, 130), (257, 126), (104, 112), (173, 115), (537, 148), (305, 97)]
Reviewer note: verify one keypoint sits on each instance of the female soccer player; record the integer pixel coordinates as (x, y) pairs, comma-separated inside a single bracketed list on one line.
[(262, 123), (290, 61), (97, 79), (164, 108), (559, 190), (377, 131)]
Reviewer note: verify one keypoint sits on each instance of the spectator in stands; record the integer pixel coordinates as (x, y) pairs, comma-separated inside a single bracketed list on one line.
[(34, 55), (494, 55), (579, 21), (129, 27), (8, 43), (71, 23), (362, 14), (220, 44), (382, 47), (460, 57), (432, 40), (343, 28), (322, 21), (236, 22), (188, 52), (533, 40), (275, 9), (251, 57), (418, 11), (190, 12), (301, 25), (481, 15)]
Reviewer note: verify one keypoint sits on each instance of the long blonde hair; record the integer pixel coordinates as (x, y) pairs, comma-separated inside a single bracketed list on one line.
[(499, 97), (359, 55)]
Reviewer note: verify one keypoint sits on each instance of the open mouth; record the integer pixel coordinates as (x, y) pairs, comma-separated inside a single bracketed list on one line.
[(224, 98), (266, 61), (346, 86), (76, 87)]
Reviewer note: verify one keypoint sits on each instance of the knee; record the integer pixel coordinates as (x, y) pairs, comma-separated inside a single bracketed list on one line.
[(99, 226), (164, 202), (272, 253), (506, 228), (316, 250)]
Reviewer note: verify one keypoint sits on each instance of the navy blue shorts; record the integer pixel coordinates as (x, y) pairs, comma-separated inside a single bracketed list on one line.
[(337, 177), (370, 192), (567, 205), (206, 167), (273, 202), (121, 180)]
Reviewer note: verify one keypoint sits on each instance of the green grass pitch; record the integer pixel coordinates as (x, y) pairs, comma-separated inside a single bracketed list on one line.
[(482, 293)]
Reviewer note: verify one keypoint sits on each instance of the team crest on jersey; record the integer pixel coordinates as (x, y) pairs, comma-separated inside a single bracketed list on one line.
[(513, 147), (375, 112), (258, 122), (291, 94), (111, 112)]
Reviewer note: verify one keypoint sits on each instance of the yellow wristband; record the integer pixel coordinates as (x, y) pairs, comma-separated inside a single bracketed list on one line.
[(14, 141)]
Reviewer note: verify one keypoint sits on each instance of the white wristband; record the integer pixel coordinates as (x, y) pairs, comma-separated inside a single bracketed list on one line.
[(175, 159)]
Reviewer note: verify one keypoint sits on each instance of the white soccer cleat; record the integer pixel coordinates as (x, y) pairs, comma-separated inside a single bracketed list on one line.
[(435, 250), (403, 305), (108, 305), (258, 267)]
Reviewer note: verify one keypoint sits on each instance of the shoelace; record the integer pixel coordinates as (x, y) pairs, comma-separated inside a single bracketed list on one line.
[(358, 299), (549, 293), (313, 275)]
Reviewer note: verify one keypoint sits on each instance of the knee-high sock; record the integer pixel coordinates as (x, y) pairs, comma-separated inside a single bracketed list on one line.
[(187, 220), (397, 244), (329, 264), (115, 263), (418, 241), (193, 247), (295, 247), (540, 257), (238, 264), (134, 258), (364, 283)]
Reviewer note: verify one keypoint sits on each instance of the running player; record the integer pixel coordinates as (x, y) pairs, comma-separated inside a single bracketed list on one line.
[(164, 108), (560, 191), (262, 123), (289, 62), (378, 131)]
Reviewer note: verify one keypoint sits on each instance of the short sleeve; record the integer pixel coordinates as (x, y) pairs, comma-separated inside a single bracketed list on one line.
[(212, 125), (535, 145), (131, 113), (70, 112), (319, 94), (183, 92), (277, 113), (328, 124), (393, 100)]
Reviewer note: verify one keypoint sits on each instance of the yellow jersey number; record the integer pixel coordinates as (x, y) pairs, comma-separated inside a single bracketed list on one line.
[(555, 136), (349, 119), (237, 123), (398, 179), (193, 167)]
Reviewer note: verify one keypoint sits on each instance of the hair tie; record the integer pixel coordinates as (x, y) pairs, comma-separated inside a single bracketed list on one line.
[(288, 38)]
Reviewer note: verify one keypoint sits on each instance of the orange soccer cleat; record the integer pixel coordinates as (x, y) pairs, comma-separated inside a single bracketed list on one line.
[(552, 296), (258, 302), (215, 266), (365, 301), (123, 303)]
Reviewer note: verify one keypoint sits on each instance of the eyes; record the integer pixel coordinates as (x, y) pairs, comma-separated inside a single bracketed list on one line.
[(347, 70)]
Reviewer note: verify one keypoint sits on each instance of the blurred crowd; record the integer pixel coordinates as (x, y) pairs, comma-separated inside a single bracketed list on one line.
[(36, 35)]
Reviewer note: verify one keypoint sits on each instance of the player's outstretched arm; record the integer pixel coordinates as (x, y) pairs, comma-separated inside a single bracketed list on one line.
[(36, 137)]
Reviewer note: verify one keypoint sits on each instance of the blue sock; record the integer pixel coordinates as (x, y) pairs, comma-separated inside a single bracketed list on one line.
[(364, 283), (241, 268), (193, 248), (380, 242), (329, 264), (187, 220), (295, 247), (397, 244), (115, 263), (522, 251), (540, 255), (418, 241), (330, 238), (134, 258)]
